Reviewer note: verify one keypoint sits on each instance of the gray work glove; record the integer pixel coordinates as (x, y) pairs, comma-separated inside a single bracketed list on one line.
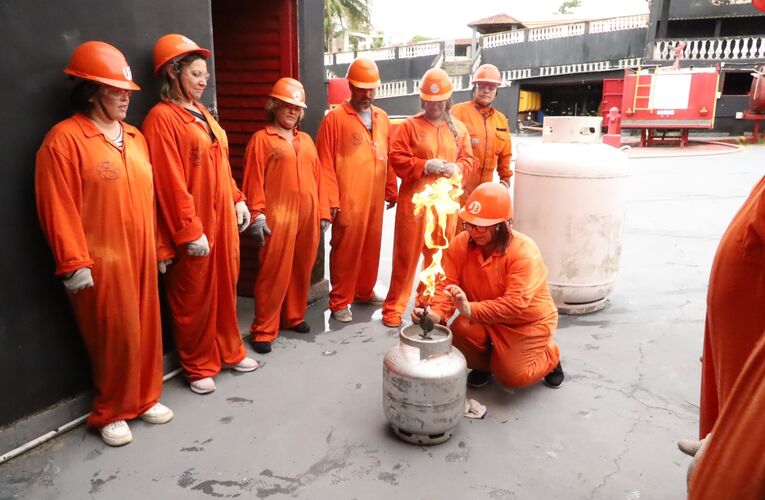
[(162, 265), (242, 215), (434, 166), (79, 280), (324, 225), (199, 247), (451, 169), (260, 229)]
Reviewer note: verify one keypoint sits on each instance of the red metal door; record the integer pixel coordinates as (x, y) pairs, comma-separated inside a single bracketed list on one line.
[(255, 44)]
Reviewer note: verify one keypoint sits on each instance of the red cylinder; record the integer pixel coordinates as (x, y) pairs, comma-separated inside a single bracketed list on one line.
[(757, 93)]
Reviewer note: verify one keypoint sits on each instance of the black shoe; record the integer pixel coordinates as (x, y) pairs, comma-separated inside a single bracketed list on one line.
[(477, 378), (555, 378), (302, 327), (260, 347)]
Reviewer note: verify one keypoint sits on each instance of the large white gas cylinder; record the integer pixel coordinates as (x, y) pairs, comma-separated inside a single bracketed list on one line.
[(424, 385), (570, 195)]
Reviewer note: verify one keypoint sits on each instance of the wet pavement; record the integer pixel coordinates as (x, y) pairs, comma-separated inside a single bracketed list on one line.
[(309, 423)]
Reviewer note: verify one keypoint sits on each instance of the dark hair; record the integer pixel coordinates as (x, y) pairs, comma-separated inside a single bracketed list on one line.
[(166, 90), (81, 95)]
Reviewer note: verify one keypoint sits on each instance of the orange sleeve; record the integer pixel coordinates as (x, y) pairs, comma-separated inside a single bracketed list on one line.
[(504, 156), (465, 158), (391, 182), (329, 193), (318, 171), (406, 165), (254, 175), (58, 188), (175, 202), (523, 278), (442, 303)]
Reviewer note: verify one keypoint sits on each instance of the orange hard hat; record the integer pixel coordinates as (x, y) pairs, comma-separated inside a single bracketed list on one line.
[(486, 73), (487, 205), (435, 85), (290, 91), (173, 45), (363, 73), (102, 63)]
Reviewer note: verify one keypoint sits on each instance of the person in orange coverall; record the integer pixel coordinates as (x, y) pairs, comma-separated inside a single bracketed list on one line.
[(95, 200), (735, 312), (201, 206), (495, 277), (282, 178), (425, 146), (488, 128), (731, 463), (353, 150)]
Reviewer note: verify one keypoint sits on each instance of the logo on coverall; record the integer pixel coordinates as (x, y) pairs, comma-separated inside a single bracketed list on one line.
[(108, 171)]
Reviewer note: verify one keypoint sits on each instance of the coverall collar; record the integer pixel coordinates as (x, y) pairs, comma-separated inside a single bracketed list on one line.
[(488, 110), (349, 109), (271, 130), (182, 113), (90, 130)]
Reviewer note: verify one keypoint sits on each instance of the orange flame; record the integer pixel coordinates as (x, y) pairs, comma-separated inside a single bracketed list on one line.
[(439, 199)]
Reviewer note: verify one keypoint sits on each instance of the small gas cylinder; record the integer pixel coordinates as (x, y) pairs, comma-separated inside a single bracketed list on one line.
[(757, 94), (424, 384)]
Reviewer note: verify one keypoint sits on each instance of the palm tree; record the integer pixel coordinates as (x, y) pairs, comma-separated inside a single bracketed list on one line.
[(344, 14)]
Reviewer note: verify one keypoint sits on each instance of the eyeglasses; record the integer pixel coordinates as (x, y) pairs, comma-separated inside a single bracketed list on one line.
[(472, 227), (199, 74), (115, 93)]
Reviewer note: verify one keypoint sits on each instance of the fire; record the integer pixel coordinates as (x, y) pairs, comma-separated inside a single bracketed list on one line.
[(439, 199)]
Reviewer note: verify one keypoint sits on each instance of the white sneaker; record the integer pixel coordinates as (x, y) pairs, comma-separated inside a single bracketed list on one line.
[(374, 300), (116, 433), (203, 386), (157, 414), (343, 315), (245, 365)]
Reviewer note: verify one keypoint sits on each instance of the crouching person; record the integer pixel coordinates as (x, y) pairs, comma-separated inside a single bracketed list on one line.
[(497, 281)]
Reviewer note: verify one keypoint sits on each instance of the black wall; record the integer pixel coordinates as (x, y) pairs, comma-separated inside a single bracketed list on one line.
[(587, 48), (395, 69), (706, 8), (311, 27)]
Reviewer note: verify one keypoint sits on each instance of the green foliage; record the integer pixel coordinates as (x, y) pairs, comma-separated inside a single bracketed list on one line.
[(343, 15), (567, 5)]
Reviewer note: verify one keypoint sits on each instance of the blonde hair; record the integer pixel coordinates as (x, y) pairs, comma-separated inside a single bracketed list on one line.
[(273, 104), (166, 90)]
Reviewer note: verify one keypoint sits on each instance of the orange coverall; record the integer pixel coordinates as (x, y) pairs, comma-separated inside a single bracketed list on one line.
[(513, 316), (416, 141), (196, 195), (490, 139), (359, 180), (96, 208), (282, 181), (733, 463), (735, 305)]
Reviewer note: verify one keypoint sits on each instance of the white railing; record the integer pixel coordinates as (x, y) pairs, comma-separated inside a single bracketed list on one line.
[(515, 74), (476, 62), (619, 24), (329, 60), (560, 31), (392, 89), (456, 82), (425, 49), (732, 48), (449, 50), (344, 57), (632, 62), (384, 54), (329, 74), (504, 38)]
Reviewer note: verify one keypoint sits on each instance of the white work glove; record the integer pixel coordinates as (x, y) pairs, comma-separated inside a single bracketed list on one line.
[(452, 169), (260, 229), (324, 225), (162, 265), (79, 280), (199, 247), (242, 215), (434, 166)]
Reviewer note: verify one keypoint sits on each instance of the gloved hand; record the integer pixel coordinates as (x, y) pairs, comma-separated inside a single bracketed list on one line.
[(199, 247), (390, 204), (162, 265), (452, 169), (79, 280), (434, 166), (324, 225), (242, 215), (260, 229)]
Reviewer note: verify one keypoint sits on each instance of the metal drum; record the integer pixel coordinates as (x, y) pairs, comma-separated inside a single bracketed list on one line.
[(424, 383)]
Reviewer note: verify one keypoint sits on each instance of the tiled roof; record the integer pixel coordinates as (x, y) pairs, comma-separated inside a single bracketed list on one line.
[(496, 19)]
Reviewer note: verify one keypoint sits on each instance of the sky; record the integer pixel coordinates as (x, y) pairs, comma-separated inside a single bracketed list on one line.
[(403, 19)]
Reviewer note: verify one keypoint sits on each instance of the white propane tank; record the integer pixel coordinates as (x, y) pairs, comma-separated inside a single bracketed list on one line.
[(570, 194)]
